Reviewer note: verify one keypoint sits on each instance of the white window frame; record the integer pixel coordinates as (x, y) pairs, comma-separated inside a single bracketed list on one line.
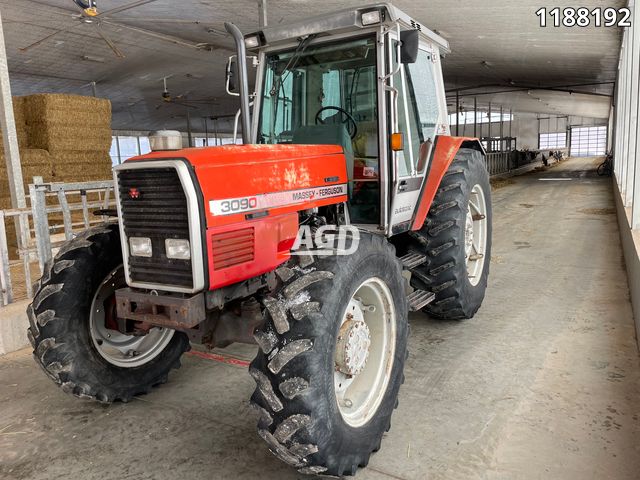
[(116, 157), (552, 140), (595, 138)]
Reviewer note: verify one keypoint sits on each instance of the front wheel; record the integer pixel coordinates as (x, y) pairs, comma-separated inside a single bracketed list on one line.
[(331, 358), (74, 331)]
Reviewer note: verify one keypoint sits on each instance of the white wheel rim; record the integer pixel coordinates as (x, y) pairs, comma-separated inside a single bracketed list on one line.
[(115, 347), (475, 234), (370, 315)]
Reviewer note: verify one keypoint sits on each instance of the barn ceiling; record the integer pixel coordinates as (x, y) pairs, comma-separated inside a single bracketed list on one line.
[(493, 43)]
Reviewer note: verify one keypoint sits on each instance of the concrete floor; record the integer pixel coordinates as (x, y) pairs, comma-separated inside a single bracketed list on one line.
[(543, 383)]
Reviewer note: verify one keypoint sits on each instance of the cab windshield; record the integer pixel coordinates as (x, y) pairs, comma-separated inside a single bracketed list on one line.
[(326, 94)]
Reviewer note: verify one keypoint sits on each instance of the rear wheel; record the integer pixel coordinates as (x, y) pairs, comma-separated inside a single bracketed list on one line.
[(456, 238), (73, 326), (331, 358)]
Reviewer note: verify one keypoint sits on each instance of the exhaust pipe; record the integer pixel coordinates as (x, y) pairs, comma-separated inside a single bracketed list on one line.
[(241, 52)]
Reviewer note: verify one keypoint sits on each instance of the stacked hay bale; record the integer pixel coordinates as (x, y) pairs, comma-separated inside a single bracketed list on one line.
[(62, 138), (40, 158), (35, 162), (75, 130)]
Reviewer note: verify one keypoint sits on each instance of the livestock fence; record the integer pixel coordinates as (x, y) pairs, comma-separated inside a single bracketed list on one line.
[(30, 236)]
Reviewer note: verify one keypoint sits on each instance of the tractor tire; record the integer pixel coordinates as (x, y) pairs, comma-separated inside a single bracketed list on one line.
[(313, 339), (71, 348), (458, 282)]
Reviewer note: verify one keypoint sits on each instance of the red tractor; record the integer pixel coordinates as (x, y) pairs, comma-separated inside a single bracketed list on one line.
[(349, 133)]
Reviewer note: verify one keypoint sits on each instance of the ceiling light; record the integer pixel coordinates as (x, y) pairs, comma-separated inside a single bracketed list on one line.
[(371, 18), (252, 42)]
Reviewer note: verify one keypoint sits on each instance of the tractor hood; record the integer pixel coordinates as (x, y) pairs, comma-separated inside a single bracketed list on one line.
[(241, 181)]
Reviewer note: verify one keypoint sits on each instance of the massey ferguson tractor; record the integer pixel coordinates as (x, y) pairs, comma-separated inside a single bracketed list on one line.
[(347, 127)]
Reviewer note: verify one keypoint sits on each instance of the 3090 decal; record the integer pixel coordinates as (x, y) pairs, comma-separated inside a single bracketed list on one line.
[(584, 17)]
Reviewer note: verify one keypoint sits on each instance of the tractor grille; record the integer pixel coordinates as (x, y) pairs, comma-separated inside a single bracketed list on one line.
[(153, 204), (232, 248)]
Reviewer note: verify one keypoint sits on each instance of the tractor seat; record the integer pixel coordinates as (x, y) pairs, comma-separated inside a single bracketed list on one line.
[(329, 134)]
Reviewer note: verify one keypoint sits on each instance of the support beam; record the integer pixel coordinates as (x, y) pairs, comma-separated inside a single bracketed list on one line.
[(457, 114), (262, 13), (632, 162), (475, 117), (190, 137), (624, 112), (9, 134), (635, 74), (489, 133), (501, 127), (510, 122)]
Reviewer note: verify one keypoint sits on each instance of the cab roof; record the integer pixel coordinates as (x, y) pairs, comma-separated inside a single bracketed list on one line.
[(342, 21)]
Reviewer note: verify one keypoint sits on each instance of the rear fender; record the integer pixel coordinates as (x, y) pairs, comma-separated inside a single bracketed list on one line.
[(444, 152)]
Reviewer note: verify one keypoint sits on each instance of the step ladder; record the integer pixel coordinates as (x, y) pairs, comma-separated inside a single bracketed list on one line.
[(412, 260), (418, 299)]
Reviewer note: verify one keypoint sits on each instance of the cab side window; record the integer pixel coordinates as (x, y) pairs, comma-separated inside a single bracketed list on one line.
[(423, 103)]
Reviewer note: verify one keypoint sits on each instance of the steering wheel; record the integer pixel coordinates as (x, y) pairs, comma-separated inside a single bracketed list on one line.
[(346, 119)]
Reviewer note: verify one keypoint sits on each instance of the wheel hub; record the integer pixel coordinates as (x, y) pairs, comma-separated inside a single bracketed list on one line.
[(364, 351), (352, 349), (117, 348), (476, 234), (468, 234)]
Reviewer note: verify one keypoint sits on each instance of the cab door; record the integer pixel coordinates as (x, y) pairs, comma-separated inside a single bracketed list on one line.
[(418, 114)]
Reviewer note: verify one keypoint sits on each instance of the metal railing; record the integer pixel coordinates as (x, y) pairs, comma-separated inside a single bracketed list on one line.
[(498, 163), (37, 237)]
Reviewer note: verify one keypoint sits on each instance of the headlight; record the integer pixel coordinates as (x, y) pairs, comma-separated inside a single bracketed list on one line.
[(140, 246), (178, 249), (371, 18), (252, 42)]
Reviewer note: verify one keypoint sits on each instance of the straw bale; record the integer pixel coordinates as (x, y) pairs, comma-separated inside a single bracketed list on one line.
[(18, 112), (32, 157), (57, 138), (81, 172), (62, 108), (76, 118), (21, 127), (35, 163), (28, 172), (76, 157), (78, 166), (22, 134), (5, 196)]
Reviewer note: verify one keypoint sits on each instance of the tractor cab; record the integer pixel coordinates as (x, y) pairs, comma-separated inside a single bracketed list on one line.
[(368, 79)]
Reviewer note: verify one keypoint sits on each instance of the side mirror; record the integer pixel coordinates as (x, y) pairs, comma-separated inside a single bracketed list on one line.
[(409, 46), (231, 75)]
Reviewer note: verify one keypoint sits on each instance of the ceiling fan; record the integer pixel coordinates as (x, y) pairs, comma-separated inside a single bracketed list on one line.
[(88, 14), (168, 98)]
